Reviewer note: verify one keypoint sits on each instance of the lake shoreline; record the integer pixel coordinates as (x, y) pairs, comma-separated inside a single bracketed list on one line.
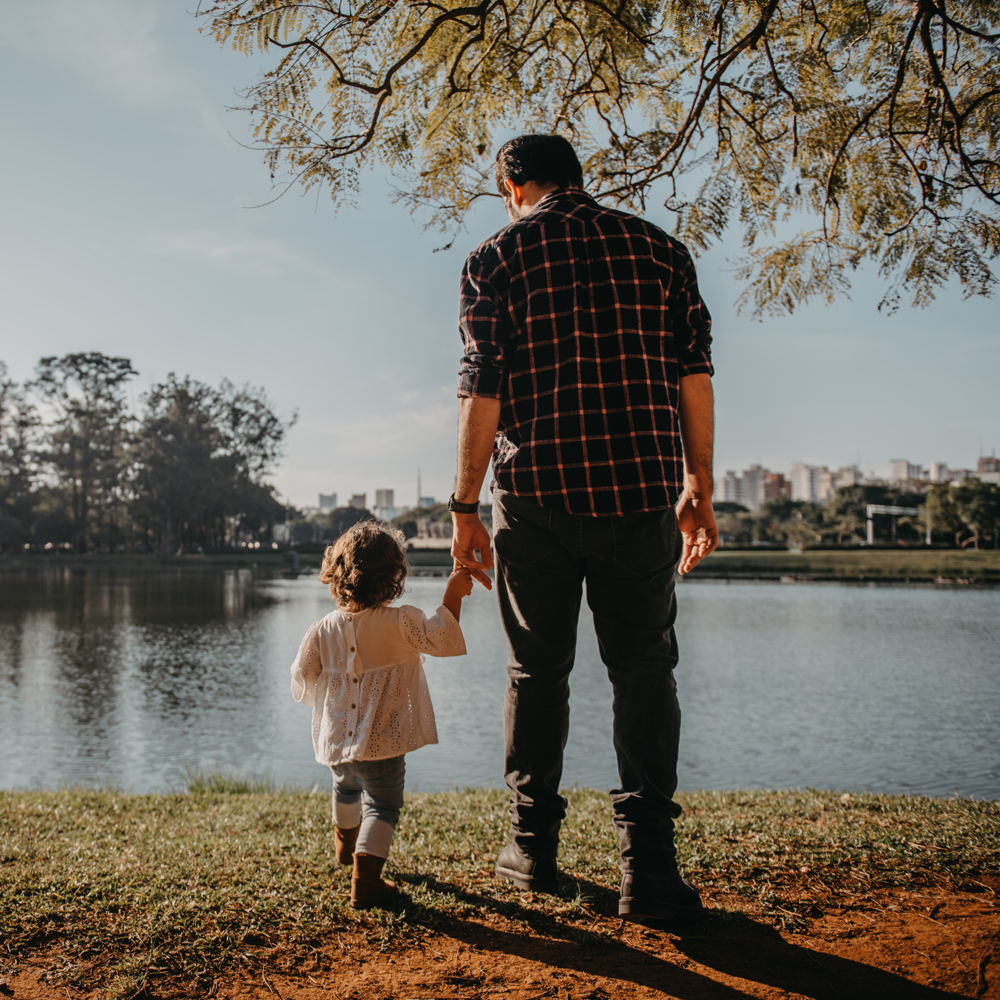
[(941, 567), (232, 892)]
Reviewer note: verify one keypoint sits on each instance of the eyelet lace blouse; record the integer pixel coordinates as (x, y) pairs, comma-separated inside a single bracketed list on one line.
[(363, 675)]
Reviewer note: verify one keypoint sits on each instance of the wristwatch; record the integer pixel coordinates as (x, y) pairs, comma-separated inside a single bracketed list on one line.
[(462, 508)]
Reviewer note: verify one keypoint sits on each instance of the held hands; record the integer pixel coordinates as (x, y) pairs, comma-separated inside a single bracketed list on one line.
[(459, 584), (696, 521), (470, 534)]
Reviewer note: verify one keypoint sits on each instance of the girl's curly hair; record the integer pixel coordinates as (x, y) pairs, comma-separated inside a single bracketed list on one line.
[(366, 566)]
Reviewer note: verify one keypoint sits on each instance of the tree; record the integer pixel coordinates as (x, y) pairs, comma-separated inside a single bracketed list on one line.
[(201, 457), (178, 480), (826, 135), (88, 440), (977, 505), (19, 423)]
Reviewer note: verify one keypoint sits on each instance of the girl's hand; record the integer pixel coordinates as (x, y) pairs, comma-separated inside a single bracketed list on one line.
[(459, 585)]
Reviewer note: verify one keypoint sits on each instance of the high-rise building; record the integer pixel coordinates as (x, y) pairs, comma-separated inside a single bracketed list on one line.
[(988, 463), (327, 501), (753, 487), (777, 487), (904, 470), (385, 508), (358, 501), (805, 481)]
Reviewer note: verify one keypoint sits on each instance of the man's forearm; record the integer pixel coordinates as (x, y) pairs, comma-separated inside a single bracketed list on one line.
[(697, 417), (478, 419)]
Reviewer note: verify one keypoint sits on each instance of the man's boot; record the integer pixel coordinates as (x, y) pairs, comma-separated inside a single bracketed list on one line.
[(665, 896), (368, 888), (345, 841)]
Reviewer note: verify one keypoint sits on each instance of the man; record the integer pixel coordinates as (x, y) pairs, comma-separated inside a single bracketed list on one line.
[(587, 365)]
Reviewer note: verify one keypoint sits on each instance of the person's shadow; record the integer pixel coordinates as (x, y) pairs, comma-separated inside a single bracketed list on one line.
[(731, 944)]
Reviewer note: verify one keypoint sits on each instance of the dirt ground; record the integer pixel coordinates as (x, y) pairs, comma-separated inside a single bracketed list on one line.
[(884, 946)]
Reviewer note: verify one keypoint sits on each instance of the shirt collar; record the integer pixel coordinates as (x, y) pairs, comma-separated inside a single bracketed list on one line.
[(575, 195)]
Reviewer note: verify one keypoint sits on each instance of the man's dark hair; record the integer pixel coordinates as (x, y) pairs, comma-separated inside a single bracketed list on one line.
[(543, 159)]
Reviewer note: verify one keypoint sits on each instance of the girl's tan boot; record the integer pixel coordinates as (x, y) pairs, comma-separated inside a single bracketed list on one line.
[(345, 841), (368, 888)]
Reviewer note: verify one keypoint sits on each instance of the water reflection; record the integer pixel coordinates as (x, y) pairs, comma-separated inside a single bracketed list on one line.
[(134, 677)]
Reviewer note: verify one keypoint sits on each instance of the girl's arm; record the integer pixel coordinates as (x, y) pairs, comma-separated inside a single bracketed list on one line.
[(307, 667), (459, 585)]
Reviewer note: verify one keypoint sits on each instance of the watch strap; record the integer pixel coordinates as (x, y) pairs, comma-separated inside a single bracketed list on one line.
[(462, 508)]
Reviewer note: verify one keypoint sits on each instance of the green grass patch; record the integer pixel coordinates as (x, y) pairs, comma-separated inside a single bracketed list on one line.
[(918, 565), (134, 889)]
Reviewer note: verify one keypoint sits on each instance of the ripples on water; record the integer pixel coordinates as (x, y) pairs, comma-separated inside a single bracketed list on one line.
[(133, 678)]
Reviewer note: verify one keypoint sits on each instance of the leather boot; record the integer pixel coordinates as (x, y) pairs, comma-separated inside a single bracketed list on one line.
[(368, 888), (344, 840)]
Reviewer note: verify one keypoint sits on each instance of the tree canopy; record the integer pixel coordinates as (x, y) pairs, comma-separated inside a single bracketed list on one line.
[(79, 470), (817, 136)]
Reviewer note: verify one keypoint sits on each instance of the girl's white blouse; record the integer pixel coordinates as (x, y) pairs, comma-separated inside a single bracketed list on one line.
[(363, 675)]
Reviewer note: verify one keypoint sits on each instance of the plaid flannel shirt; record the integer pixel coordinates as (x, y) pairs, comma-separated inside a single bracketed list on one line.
[(582, 320)]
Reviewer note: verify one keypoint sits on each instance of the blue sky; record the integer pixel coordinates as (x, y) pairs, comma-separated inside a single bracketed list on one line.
[(125, 230)]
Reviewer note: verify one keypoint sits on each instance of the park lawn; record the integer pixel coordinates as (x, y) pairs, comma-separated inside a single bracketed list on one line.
[(171, 895), (917, 565)]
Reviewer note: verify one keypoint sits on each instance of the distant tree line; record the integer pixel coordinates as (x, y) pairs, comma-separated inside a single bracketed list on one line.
[(966, 515), (80, 470)]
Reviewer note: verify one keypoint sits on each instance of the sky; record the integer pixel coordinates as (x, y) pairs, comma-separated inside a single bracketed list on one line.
[(127, 227)]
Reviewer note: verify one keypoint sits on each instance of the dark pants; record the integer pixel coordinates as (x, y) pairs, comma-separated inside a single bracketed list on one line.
[(542, 559)]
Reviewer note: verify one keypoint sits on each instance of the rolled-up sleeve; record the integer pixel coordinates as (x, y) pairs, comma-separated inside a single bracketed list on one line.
[(483, 329), (692, 324)]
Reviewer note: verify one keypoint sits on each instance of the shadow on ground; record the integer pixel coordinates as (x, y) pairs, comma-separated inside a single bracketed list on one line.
[(723, 942)]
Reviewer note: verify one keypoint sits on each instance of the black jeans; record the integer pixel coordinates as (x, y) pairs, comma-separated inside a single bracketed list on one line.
[(542, 560)]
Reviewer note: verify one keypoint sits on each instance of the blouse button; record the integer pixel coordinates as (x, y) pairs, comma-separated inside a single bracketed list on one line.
[(349, 733), (352, 649), (354, 706), (355, 680)]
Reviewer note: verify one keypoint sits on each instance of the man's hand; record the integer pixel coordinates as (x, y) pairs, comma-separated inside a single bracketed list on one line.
[(469, 534), (696, 521)]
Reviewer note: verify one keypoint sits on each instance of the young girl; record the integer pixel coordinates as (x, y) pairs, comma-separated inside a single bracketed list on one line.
[(361, 670)]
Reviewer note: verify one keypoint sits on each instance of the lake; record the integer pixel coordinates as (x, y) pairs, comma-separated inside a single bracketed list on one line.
[(135, 678)]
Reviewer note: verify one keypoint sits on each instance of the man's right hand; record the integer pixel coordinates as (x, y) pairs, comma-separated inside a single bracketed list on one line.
[(468, 535)]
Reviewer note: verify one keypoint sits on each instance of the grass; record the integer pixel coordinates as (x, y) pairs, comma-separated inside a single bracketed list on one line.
[(138, 892), (923, 565)]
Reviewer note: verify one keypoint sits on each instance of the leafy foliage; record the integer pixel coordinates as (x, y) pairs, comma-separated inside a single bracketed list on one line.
[(962, 515), (826, 135), (189, 470)]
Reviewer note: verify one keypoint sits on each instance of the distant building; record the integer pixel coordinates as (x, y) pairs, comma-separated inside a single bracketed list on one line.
[(903, 471), (805, 481), (939, 472), (327, 501), (358, 501), (988, 463), (385, 507), (755, 485), (426, 501), (777, 487)]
